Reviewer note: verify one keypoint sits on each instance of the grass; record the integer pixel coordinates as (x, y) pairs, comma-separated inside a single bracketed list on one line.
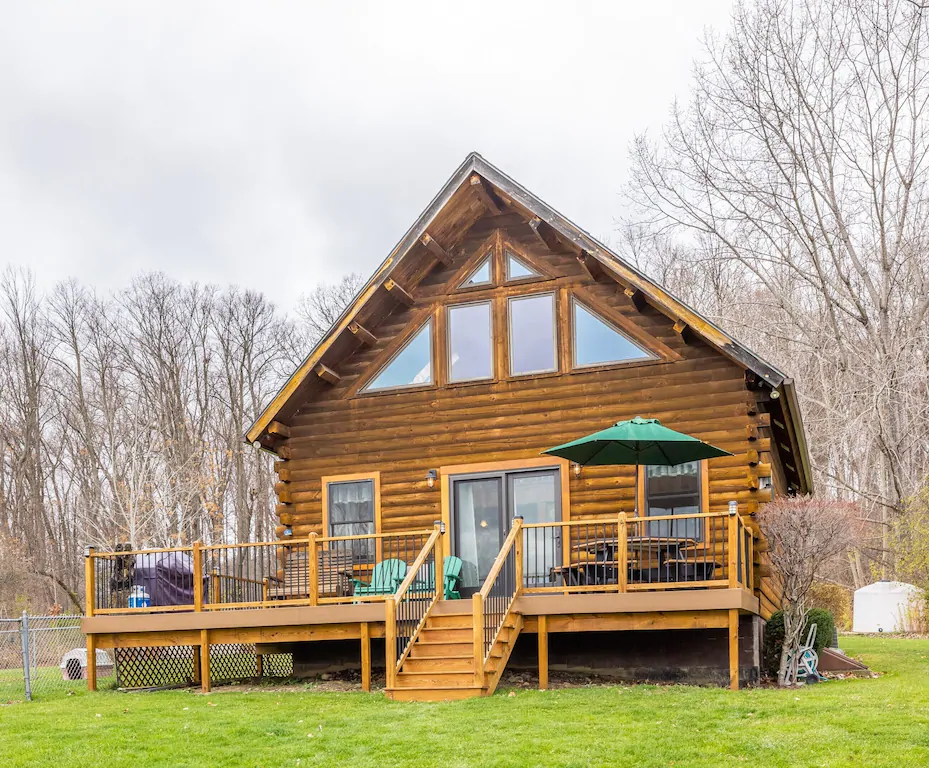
[(873, 722)]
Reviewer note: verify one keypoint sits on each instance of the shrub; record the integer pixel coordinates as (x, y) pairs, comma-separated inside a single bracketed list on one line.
[(836, 599), (774, 636)]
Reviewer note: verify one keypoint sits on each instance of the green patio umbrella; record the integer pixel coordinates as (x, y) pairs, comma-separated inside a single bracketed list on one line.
[(634, 442)]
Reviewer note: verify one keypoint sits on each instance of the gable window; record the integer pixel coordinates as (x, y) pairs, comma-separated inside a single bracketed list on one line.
[(518, 270), (599, 342), (351, 513), (470, 342), (532, 334), (410, 367), (674, 491), (481, 275)]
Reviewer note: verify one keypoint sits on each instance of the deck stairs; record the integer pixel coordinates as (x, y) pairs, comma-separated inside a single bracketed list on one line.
[(441, 662)]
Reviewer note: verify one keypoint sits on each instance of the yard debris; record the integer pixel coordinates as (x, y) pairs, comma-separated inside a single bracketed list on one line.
[(511, 694)]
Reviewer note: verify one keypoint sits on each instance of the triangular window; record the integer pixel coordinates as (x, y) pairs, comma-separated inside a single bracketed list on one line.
[(410, 367), (479, 276), (518, 270), (599, 342)]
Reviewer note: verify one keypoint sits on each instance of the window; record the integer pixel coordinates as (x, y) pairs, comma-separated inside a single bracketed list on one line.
[(470, 342), (518, 270), (598, 342), (410, 367), (351, 513), (480, 276), (674, 491), (532, 334)]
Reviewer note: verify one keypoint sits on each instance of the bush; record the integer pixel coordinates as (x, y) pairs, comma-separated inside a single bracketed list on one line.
[(774, 637), (836, 599)]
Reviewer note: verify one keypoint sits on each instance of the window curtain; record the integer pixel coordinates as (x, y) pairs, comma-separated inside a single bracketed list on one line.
[(351, 513)]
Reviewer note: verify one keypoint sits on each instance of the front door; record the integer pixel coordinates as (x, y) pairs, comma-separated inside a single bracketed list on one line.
[(482, 509)]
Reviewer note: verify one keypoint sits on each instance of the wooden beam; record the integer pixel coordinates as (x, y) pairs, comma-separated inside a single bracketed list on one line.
[(436, 250), (543, 653), (363, 334), (398, 292), (281, 430), (205, 660), (477, 186), (327, 374), (592, 267), (637, 297), (546, 235), (683, 330), (365, 657), (734, 649), (91, 663)]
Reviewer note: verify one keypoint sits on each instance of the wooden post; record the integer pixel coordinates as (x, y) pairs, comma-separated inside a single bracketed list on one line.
[(205, 660), (89, 582), (259, 665), (543, 652), (518, 554), (390, 640), (750, 569), (197, 671), (91, 663), (365, 657), (733, 543), (622, 554), (198, 576), (734, 649), (439, 558), (477, 607), (313, 563)]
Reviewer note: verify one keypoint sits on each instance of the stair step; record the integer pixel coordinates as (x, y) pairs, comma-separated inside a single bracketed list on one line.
[(435, 680), (451, 608), (450, 621), (434, 694), (439, 664), (423, 648), (445, 635)]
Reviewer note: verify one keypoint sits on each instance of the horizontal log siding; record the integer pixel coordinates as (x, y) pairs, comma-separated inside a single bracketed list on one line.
[(404, 434)]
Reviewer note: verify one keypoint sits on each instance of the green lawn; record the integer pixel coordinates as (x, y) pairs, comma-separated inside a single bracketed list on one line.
[(868, 722)]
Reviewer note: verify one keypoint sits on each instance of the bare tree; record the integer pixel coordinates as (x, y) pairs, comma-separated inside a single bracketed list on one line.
[(795, 182), (804, 535), (319, 310)]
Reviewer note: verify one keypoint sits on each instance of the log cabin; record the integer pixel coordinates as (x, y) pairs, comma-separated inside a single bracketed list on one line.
[(420, 527)]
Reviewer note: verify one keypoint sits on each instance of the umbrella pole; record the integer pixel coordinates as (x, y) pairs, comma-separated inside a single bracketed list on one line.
[(635, 503)]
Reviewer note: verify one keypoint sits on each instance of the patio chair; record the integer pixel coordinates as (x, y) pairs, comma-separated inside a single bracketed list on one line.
[(451, 576), (385, 578)]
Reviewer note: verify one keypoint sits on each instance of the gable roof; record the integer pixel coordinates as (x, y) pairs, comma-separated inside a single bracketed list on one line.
[(477, 173)]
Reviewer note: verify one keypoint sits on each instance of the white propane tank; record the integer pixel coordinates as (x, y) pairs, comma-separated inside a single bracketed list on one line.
[(139, 598)]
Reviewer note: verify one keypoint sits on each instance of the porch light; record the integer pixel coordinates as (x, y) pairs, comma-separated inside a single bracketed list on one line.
[(431, 477), (288, 531), (577, 469)]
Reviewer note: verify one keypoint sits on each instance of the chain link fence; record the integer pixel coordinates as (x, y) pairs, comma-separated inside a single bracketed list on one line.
[(41, 655)]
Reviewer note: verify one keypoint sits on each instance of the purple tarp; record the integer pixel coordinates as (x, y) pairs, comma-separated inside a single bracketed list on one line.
[(168, 577)]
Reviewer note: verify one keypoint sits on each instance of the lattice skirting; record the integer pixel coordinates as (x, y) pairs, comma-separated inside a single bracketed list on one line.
[(174, 666)]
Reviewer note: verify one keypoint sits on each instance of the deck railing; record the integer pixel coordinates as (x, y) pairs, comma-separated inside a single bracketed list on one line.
[(493, 602), (406, 610), (316, 570), (638, 554)]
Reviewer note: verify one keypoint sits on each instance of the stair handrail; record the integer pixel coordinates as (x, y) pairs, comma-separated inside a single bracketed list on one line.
[(484, 641), (392, 603)]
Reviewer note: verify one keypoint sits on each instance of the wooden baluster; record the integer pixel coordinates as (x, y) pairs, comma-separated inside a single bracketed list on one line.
[(518, 554), (390, 640), (622, 556), (198, 576), (477, 605), (313, 564)]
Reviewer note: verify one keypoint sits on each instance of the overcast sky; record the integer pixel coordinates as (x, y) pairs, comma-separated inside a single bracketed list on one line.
[(276, 145)]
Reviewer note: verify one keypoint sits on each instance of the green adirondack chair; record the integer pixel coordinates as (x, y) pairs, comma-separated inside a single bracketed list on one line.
[(451, 571), (385, 578)]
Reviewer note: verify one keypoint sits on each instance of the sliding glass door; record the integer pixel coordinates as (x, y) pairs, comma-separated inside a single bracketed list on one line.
[(482, 510)]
